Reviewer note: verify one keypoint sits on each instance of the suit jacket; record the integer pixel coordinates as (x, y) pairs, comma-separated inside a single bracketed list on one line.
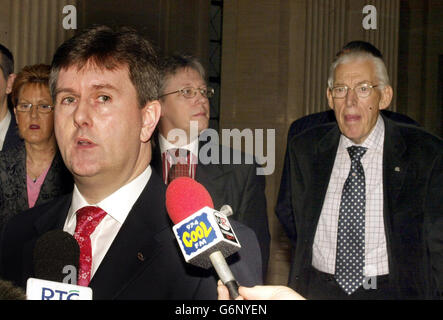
[(144, 260), (283, 207), (12, 138), (13, 185), (236, 185), (413, 213)]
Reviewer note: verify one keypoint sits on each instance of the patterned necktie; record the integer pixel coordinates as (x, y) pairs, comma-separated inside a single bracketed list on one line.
[(88, 219), (350, 258), (180, 165)]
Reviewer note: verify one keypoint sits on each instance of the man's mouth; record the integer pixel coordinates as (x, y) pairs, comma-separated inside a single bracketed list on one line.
[(350, 118), (34, 127), (82, 142)]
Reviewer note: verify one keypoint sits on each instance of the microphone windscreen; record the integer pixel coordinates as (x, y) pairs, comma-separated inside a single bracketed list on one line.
[(185, 196), (53, 251)]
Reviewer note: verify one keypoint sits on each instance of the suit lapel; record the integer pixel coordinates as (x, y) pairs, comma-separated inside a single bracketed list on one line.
[(322, 165), (136, 244), (395, 165)]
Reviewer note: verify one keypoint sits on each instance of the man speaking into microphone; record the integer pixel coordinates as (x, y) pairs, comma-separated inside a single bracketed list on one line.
[(105, 87)]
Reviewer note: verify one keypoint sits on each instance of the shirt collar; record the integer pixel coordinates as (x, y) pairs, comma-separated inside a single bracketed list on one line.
[(373, 142), (118, 204), (165, 145)]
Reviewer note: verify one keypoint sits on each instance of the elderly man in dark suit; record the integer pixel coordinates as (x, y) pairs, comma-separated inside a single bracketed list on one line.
[(8, 127), (367, 218), (184, 96), (105, 87), (284, 206)]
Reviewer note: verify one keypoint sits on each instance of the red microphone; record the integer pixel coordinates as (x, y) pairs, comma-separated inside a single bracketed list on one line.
[(185, 196), (204, 235)]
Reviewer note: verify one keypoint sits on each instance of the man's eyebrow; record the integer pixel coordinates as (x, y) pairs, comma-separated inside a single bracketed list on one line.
[(64, 90), (358, 83), (95, 87), (104, 86)]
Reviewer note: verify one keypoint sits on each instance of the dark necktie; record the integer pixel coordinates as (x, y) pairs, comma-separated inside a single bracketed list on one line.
[(350, 259), (88, 219), (180, 165)]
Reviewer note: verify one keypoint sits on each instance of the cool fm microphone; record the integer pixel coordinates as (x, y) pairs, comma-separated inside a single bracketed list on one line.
[(56, 259), (205, 235)]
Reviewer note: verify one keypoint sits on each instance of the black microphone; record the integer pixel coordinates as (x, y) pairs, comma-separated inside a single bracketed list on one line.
[(56, 263), (53, 252)]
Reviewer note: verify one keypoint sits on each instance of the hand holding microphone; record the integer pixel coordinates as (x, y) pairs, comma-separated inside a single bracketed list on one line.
[(260, 293), (205, 235)]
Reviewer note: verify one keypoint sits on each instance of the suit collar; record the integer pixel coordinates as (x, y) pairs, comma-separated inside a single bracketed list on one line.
[(55, 215)]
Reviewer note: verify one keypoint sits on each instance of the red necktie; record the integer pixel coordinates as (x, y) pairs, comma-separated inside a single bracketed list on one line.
[(88, 219), (180, 166)]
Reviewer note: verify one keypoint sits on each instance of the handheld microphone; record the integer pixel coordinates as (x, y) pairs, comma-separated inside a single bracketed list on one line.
[(56, 259), (205, 235)]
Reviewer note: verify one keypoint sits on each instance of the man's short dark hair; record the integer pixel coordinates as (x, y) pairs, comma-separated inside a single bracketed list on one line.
[(6, 61), (178, 61), (358, 45), (110, 49)]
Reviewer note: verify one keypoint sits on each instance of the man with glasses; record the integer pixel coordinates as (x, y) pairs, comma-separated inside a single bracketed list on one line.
[(8, 127), (184, 97), (105, 84), (283, 208), (368, 217)]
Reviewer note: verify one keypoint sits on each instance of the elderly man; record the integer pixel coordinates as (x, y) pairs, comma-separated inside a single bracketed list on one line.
[(368, 217), (8, 127), (184, 96), (283, 207), (105, 87)]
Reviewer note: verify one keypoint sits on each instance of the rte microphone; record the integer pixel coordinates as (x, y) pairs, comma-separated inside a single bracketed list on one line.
[(56, 259), (205, 235)]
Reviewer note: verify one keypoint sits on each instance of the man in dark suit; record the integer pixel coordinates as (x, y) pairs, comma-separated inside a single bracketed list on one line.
[(184, 98), (284, 206), (8, 127), (367, 220), (105, 87)]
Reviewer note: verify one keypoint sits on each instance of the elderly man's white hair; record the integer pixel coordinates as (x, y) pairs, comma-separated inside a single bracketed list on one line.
[(380, 69)]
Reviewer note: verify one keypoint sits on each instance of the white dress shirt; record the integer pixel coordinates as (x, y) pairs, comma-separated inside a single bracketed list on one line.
[(166, 145), (325, 241), (167, 161), (4, 125), (117, 207)]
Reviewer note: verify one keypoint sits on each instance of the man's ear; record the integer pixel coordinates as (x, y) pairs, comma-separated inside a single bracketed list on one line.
[(150, 116), (386, 97), (10, 82), (330, 99)]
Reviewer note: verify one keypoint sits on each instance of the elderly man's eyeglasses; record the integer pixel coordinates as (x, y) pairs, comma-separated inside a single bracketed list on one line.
[(190, 92), (26, 107), (362, 90)]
